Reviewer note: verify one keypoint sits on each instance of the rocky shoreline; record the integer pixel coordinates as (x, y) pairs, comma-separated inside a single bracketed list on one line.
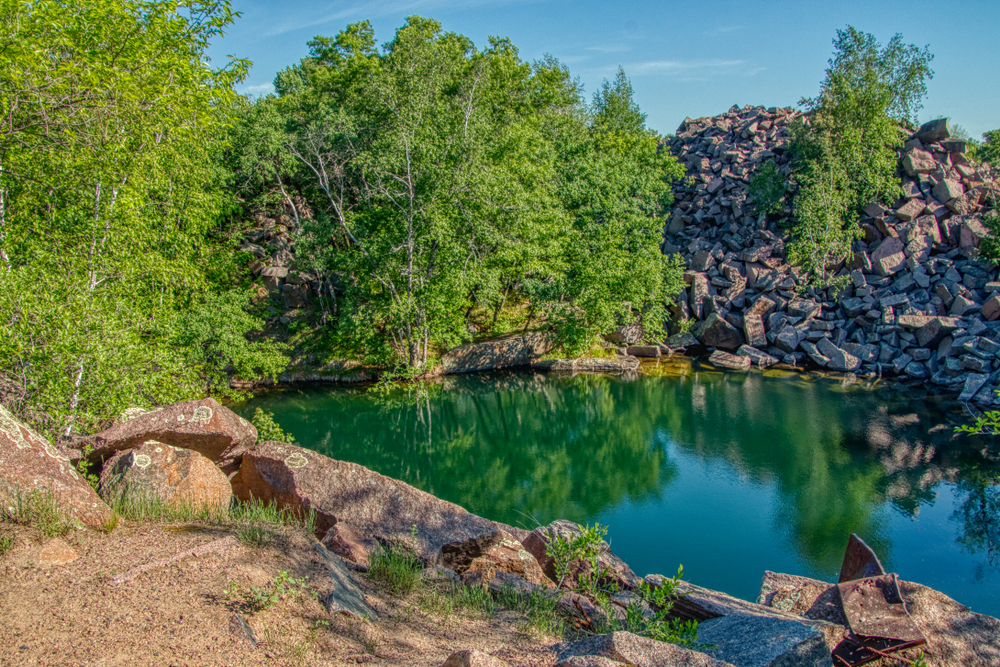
[(918, 301), (202, 452)]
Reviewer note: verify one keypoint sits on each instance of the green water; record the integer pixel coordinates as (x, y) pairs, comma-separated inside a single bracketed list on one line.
[(729, 474)]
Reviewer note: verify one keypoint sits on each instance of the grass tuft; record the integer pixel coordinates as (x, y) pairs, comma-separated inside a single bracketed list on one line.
[(395, 567), (6, 542), (37, 508)]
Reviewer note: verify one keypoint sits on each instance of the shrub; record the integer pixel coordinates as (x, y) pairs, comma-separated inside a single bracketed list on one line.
[(767, 188), (268, 429)]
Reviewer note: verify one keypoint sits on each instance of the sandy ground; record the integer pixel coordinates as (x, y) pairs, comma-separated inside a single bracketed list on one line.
[(84, 613)]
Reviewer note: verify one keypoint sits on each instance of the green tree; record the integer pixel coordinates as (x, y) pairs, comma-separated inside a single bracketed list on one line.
[(112, 196), (448, 179), (845, 151)]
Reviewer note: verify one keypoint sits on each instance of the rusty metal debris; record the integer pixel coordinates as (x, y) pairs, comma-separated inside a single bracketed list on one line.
[(877, 618), (860, 561)]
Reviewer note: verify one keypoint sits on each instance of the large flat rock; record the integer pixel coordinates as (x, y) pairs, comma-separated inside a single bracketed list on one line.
[(955, 634), (28, 462), (378, 509), (505, 352), (634, 650), (204, 426)]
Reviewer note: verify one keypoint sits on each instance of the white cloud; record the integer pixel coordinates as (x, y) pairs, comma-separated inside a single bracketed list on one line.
[(258, 89), (678, 67)]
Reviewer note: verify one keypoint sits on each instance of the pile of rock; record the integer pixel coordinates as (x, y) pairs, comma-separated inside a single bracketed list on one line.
[(919, 302)]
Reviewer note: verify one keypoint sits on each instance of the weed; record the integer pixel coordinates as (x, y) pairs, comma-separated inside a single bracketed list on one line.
[(85, 468), (258, 598), (661, 628), (396, 567), (254, 536), (585, 546), (6, 542), (37, 508), (268, 429), (685, 326)]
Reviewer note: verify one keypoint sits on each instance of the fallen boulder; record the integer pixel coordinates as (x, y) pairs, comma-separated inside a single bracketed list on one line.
[(588, 365), (29, 463), (716, 332), (378, 509), (731, 361), (204, 426), (174, 475), (509, 555), (505, 352)]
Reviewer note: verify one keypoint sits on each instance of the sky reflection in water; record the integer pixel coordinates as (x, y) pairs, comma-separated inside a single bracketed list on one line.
[(729, 474)]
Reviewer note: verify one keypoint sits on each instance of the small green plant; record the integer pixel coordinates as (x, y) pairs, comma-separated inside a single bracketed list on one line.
[(767, 188), (268, 429), (84, 468), (987, 423), (6, 542), (37, 508), (685, 326), (258, 598), (660, 627), (396, 567), (584, 546)]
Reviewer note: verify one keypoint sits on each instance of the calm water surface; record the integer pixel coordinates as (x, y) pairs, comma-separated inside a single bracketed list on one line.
[(727, 474)]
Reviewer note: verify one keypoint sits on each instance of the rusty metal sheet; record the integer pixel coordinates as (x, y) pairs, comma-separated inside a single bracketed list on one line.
[(878, 620), (860, 561)]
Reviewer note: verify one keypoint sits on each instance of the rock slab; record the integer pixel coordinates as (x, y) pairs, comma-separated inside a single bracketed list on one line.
[(505, 352), (634, 650), (379, 510), (346, 597), (29, 463), (204, 426)]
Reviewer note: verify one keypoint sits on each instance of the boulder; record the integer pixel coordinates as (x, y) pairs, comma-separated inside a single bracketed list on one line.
[(627, 334), (342, 540), (946, 190), (749, 640), (935, 330), (378, 509), (29, 463), (653, 351), (759, 359), (910, 210), (840, 360), (934, 130), (890, 264), (972, 232), (991, 307), (504, 352), (588, 365), (617, 570), (509, 555), (889, 246), (698, 294), (717, 332), (919, 162), (753, 328), (955, 635), (588, 661), (625, 647), (176, 476), (204, 426), (473, 659), (730, 361)]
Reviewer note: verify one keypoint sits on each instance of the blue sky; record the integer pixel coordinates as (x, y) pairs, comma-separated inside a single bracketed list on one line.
[(684, 58)]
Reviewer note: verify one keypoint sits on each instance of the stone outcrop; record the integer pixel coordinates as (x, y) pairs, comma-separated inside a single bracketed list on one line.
[(378, 509), (176, 476), (625, 647), (505, 352), (917, 300), (955, 635), (204, 426), (473, 659), (589, 365), (509, 555), (29, 463)]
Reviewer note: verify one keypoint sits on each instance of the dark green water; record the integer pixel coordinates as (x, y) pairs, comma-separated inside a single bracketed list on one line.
[(729, 474)]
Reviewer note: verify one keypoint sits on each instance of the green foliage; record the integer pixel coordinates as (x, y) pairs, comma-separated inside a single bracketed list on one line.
[(452, 182), (987, 423), (259, 598), (990, 246), (396, 567), (660, 627), (844, 152), (570, 552), (113, 198), (989, 150), (268, 429), (767, 188), (85, 468)]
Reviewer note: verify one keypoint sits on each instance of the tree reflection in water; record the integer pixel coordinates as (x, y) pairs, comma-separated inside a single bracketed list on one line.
[(525, 447)]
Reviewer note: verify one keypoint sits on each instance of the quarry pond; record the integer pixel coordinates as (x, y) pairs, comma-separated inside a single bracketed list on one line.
[(729, 474)]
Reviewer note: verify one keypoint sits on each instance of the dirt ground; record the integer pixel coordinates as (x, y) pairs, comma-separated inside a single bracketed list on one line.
[(95, 612)]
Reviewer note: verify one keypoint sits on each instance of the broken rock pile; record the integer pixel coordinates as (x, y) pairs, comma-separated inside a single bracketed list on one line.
[(919, 303)]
